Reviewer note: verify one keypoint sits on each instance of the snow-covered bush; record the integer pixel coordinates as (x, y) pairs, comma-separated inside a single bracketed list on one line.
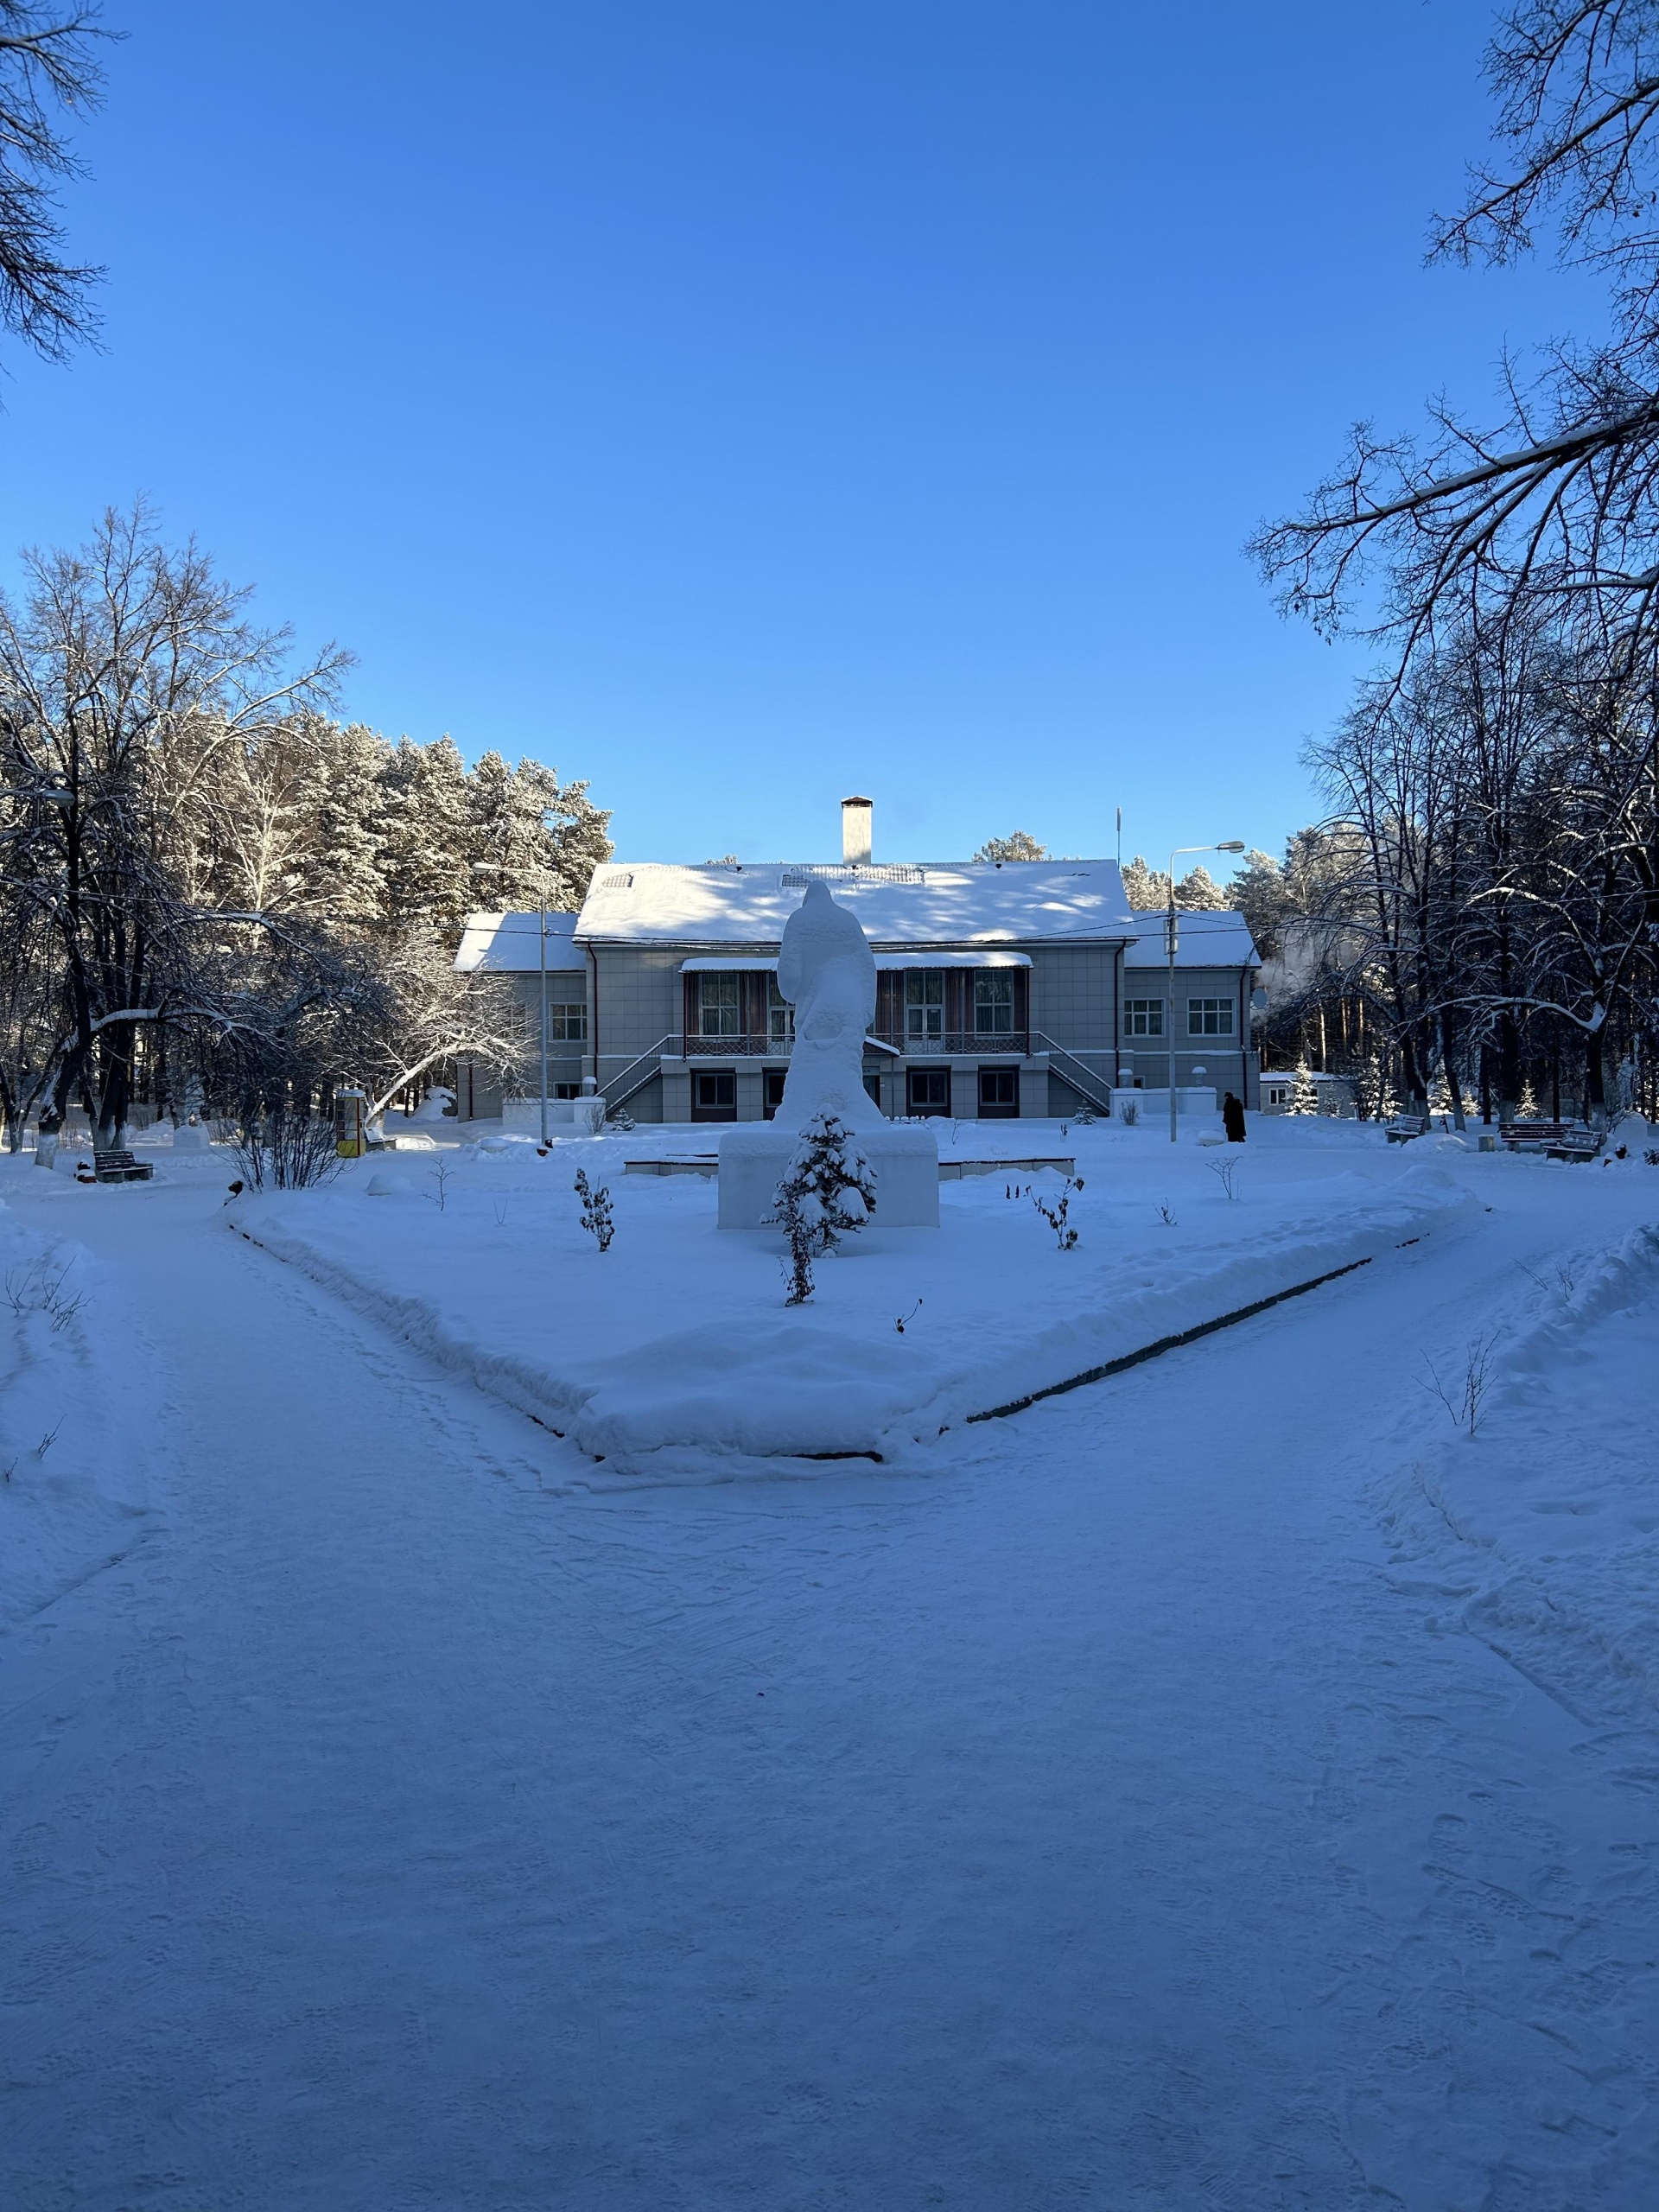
[(829, 1190), (596, 1216)]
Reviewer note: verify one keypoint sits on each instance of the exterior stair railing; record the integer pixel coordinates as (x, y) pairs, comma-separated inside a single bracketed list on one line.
[(637, 1073), (1087, 1081)]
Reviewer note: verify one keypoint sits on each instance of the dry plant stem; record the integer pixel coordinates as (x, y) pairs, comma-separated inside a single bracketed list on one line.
[(1465, 1397)]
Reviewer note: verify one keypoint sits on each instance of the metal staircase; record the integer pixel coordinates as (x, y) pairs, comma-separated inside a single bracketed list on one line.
[(1087, 1082)]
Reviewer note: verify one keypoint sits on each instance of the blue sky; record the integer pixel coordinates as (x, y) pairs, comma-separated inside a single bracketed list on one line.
[(741, 404)]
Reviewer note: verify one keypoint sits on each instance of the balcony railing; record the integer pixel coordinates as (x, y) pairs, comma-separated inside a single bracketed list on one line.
[(949, 1044), (958, 1044), (742, 1047)]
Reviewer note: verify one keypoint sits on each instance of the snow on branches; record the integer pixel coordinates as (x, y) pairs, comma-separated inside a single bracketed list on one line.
[(828, 1191)]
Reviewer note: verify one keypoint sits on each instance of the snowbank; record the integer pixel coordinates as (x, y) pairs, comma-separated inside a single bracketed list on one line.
[(1549, 1512), (678, 1337), (74, 1424)]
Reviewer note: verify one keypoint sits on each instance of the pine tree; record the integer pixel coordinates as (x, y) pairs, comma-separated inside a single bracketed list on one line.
[(426, 838), (340, 881), (1146, 888), (544, 837), (1018, 845), (828, 1191), (1305, 1098), (1199, 893)]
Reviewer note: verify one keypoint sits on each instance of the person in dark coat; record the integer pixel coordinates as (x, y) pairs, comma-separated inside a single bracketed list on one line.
[(1232, 1119)]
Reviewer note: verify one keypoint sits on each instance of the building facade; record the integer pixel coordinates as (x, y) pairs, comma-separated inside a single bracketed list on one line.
[(1009, 990)]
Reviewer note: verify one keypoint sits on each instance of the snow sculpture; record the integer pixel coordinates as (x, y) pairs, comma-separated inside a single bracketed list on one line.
[(827, 972)]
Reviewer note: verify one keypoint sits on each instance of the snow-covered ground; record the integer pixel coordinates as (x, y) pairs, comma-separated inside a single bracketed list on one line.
[(674, 1347), (1228, 1785), (76, 1421)]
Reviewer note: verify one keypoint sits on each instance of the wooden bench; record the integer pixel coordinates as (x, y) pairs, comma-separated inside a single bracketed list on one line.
[(121, 1167), (1405, 1127), (1556, 1140)]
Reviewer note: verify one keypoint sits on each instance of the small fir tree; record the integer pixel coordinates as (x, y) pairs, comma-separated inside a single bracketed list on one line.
[(828, 1191), (1528, 1109), (1305, 1098)]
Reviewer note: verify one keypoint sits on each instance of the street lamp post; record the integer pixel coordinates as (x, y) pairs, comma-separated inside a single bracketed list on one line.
[(1172, 940)]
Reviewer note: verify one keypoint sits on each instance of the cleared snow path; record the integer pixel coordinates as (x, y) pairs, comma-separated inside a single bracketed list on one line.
[(1100, 1821)]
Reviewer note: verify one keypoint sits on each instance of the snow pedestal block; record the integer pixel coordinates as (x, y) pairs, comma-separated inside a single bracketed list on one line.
[(753, 1159)]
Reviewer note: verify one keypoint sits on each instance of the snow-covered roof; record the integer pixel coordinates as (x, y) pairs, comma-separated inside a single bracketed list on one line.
[(510, 944), (1208, 938), (925, 903)]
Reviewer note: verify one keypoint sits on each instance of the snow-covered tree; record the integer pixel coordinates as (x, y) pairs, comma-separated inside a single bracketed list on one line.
[(1018, 845), (827, 1191), (1304, 1093)]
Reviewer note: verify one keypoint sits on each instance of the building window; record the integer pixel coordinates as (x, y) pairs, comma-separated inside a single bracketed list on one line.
[(993, 1003), (1208, 1017), (927, 1091), (924, 1005), (567, 1022), (998, 1093), (717, 1009), (1143, 1017), (564, 1091), (780, 1015), (713, 1097), (772, 1090)]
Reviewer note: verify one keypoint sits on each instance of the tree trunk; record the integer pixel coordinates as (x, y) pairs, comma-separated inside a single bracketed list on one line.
[(1595, 1080), (1454, 1088), (1509, 1066)]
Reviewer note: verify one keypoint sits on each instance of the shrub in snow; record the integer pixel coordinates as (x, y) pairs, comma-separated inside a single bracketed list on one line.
[(1055, 1215), (1464, 1395), (588, 1115), (1130, 1112), (286, 1146), (595, 1210), (829, 1190), (621, 1120)]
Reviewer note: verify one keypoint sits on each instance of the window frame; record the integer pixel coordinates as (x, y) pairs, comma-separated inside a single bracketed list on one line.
[(1199, 1014), (999, 1109), (1148, 1011), (927, 1032), (723, 1108), (712, 1000), (1000, 980), (926, 1108)]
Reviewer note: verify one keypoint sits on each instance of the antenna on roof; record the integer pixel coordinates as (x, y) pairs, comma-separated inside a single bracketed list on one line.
[(1120, 840)]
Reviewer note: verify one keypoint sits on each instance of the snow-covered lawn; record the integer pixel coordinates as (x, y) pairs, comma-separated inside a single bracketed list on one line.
[(1226, 1785), (677, 1340), (77, 1420)]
